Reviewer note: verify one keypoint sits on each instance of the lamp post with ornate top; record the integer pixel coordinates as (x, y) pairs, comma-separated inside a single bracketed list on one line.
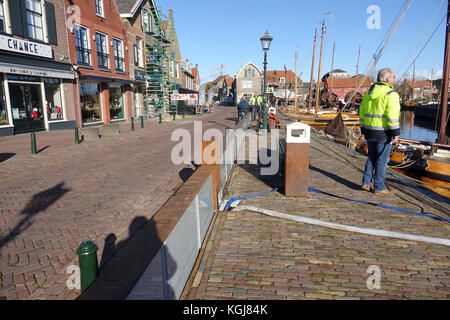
[(265, 42)]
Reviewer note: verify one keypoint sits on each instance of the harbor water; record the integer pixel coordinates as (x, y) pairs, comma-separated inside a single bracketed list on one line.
[(416, 127)]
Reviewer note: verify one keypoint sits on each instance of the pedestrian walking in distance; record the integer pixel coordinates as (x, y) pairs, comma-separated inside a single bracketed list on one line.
[(242, 108), (379, 115)]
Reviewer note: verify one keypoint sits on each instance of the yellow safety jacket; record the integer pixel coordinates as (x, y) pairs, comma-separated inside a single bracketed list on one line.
[(260, 101), (252, 101), (379, 113)]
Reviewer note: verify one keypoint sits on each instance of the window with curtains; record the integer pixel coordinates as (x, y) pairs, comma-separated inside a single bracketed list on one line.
[(34, 19)]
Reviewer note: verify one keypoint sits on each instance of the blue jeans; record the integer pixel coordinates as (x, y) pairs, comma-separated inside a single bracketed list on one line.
[(377, 161), (255, 111)]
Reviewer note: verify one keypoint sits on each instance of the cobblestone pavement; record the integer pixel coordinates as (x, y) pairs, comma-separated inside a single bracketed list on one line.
[(253, 256), (99, 190)]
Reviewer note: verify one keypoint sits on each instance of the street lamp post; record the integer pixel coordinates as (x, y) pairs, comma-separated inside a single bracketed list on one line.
[(265, 42)]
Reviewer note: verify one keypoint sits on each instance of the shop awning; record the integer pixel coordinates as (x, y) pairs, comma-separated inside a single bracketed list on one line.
[(35, 71), (104, 79)]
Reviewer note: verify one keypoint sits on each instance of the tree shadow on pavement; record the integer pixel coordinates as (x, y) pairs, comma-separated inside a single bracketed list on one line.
[(122, 265), (6, 156), (40, 202)]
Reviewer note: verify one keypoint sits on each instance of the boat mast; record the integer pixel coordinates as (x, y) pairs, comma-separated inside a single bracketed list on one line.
[(312, 71), (324, 29), (357, 69), (332, 66), (431, 88), (444, 91), (414, 82), (295, 80)]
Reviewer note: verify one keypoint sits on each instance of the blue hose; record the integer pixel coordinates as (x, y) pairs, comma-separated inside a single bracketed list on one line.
[(229, 202), (380, 205)]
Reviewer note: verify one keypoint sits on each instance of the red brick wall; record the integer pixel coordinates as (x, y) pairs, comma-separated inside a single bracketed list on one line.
[(113, 27)]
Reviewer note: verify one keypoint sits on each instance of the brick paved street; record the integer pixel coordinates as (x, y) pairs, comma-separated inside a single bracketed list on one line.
[(253, 256), (99, 190)]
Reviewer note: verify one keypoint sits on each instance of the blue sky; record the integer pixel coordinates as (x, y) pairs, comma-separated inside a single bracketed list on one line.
[(212, 33)]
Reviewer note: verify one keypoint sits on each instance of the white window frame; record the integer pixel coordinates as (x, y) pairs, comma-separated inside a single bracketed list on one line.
[(122, 55), (106, 49), (35, 14), (3, 16), (88, 43), (247, 84), (139, 52), (282, 80), (99, 4)]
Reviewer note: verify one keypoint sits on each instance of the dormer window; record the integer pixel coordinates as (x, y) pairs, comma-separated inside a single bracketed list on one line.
[(282, 80), (99, 8)]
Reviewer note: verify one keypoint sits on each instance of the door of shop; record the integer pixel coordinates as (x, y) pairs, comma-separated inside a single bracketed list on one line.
[(26, 107)]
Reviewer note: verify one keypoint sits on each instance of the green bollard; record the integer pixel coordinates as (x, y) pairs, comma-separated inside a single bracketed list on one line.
[(174, 115), (132, 124), (142, 122), (33, 143), (160, 118), (184, 114), (87, 256), (77, 137)]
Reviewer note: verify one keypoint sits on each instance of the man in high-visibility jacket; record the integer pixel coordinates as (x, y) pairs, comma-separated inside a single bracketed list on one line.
[(379, 120), (259, 103), (252, 103)]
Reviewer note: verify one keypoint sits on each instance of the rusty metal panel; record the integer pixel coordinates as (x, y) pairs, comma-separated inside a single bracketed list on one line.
[(296, 170)]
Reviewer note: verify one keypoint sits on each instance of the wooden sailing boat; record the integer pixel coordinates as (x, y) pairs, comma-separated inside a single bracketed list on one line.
[(425, 161), (316, 118)]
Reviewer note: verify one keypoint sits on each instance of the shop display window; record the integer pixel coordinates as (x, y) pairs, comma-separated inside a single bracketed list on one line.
[(53, 99), (90, 102), (116, 101)]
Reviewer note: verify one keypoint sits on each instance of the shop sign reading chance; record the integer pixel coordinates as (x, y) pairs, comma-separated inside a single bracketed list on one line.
[(26, 47)]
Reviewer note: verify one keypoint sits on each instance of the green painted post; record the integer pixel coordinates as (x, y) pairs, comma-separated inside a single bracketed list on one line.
[(33, 143), (77, 137), (132, 124), (184, 114), (174, 115), (142, 122), (87, 255), (160, 118)]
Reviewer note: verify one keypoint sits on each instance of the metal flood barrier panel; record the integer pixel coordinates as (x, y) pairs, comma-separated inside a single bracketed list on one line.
[(167, 274)]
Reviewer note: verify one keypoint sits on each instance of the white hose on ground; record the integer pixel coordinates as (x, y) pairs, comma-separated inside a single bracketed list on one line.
[(374, 232)]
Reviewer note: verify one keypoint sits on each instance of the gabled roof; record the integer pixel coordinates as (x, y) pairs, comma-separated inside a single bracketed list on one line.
[(419, 84), (247, 64), (128, 8), (349, 82), (274, 76), (229, 81)]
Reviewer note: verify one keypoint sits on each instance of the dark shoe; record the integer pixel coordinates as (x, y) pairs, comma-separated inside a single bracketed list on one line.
[(385, 192), (364, 187)]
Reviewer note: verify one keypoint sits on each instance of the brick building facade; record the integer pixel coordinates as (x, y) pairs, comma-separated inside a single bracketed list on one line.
[(36, 77), (98, 45)]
